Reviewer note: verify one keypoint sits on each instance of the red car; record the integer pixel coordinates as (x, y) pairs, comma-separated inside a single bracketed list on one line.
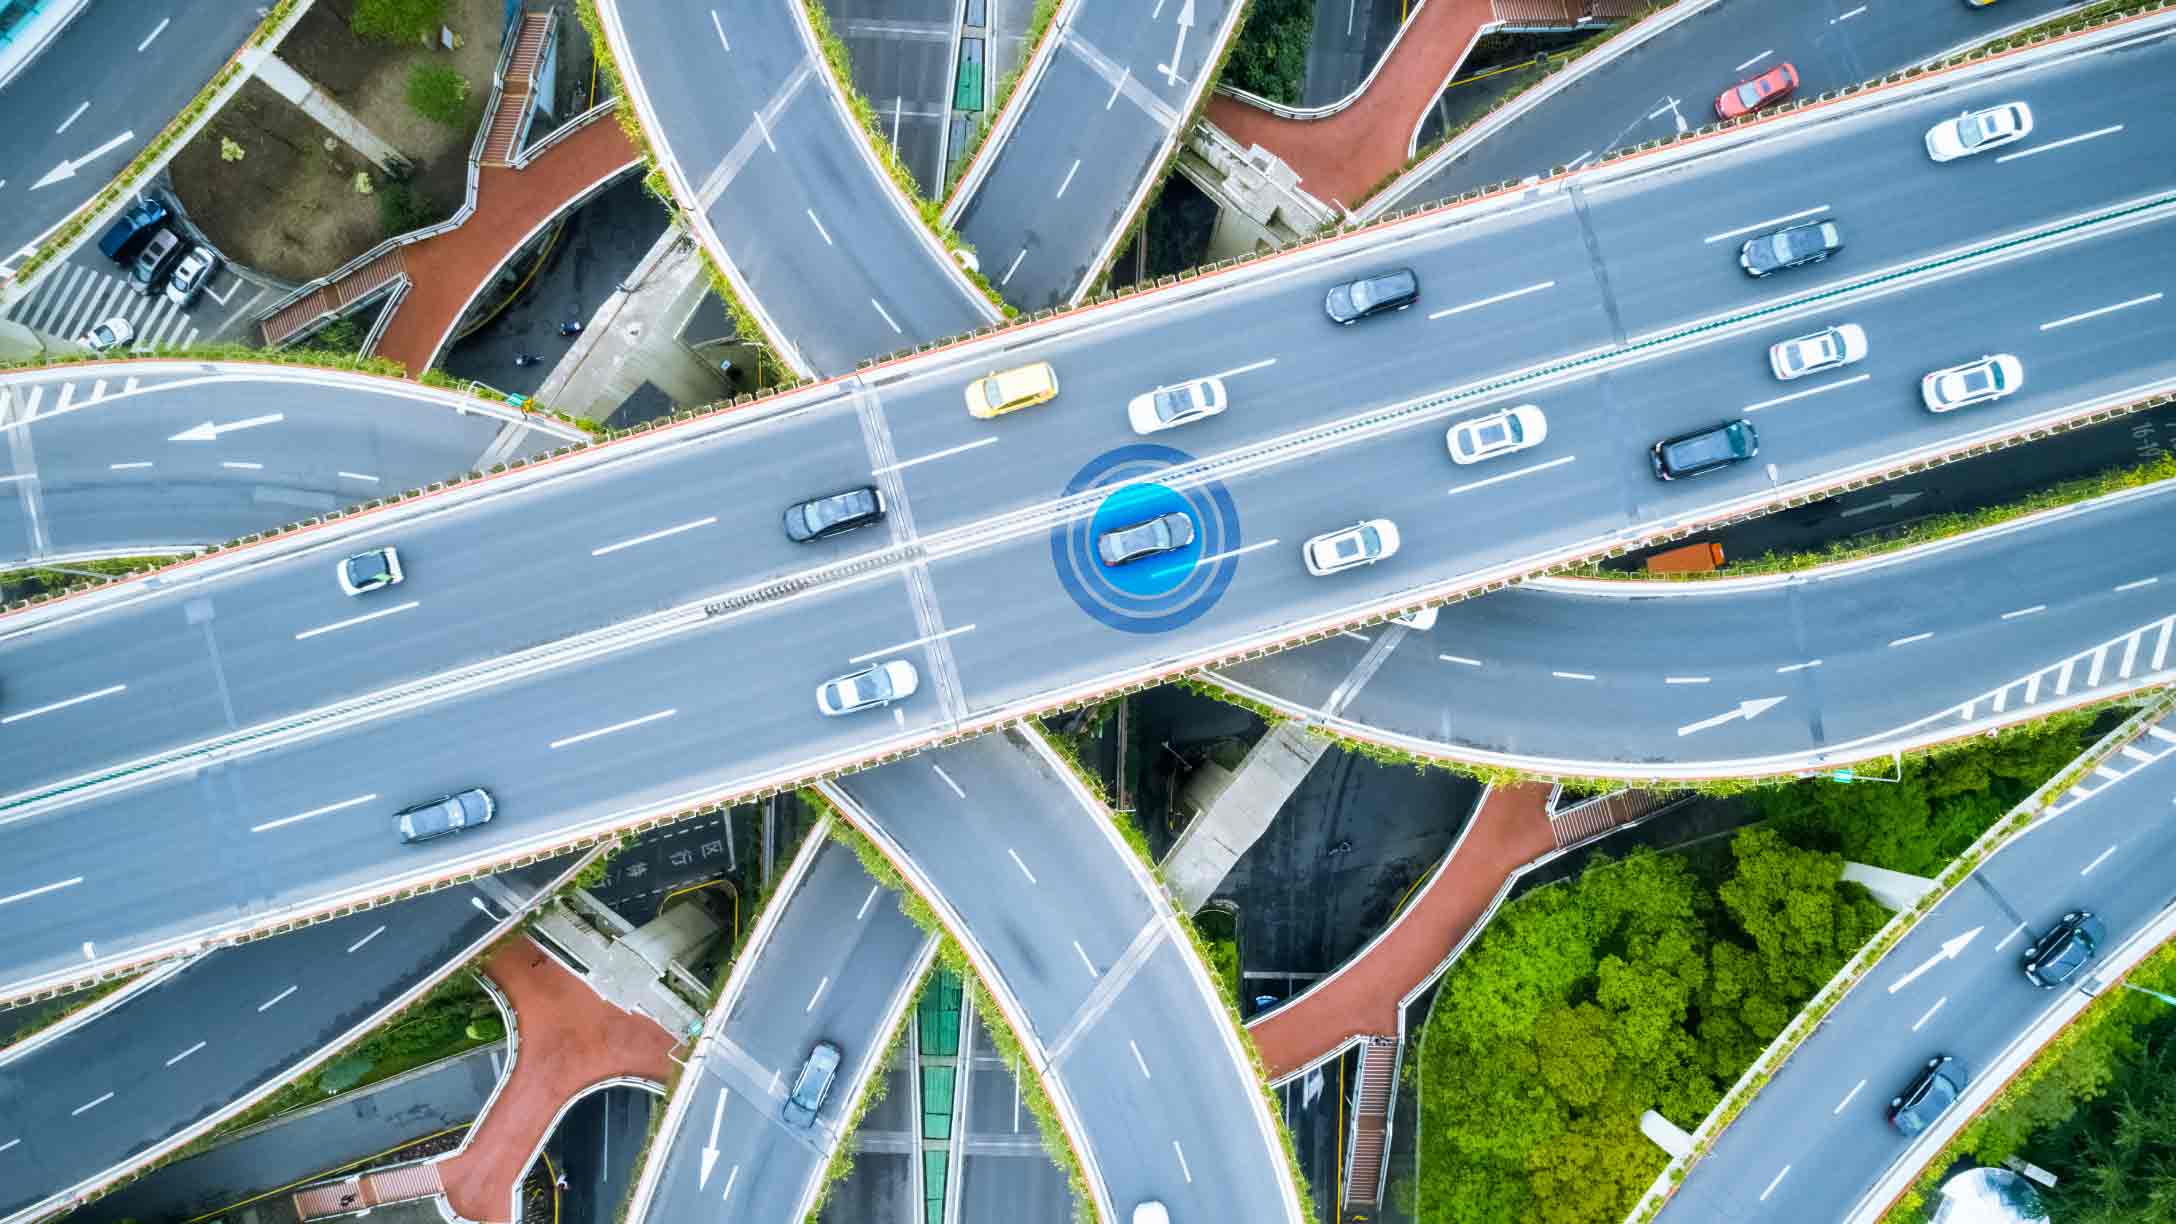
[(1767, 89)]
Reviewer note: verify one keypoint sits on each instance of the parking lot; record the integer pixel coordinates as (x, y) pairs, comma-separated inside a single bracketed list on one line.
[(89, 289)]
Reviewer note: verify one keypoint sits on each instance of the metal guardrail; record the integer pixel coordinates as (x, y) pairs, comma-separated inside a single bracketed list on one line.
[(536, 148)]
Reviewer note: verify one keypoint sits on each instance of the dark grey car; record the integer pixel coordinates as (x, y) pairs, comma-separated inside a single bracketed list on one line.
[(822, 517), (154, 262), (2069, 946), (1705, 450), (1356, 300), (1939, 1085), (445, 814), (1162, 534), (811, 1086), (1808, 242)]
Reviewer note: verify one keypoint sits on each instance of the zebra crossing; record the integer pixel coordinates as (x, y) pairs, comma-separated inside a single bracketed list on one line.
[(78, 297), (2142, 652), (2157, 742)]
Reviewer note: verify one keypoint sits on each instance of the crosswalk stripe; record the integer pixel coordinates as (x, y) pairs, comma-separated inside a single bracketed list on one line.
[(175, 321), (2131, 751), (49, 300), (189, 339), (2160, 651), (2107, 773), (2130, 655), (66, 301), (2032, 689), (2100, 659), (2161, 734), (91, 307), (2062, 680), (161, 316)]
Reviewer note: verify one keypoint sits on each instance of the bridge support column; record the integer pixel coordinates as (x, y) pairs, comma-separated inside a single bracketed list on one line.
[(1666, 1134), (1261, 204), (1236, 817), (1894, 889), (634, 339)]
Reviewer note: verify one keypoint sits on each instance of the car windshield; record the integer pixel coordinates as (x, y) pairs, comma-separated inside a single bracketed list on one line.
[(1363, 294), (1368, 542), (1749, 94), (1491, 434), (102, 335), (1782, 245), (367, 568), (1173, 403), (992, 394)]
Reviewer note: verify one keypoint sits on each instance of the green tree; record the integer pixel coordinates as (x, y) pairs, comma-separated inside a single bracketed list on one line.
[(1270, 55), (440, 95), (2116, 1160), (398, 20)]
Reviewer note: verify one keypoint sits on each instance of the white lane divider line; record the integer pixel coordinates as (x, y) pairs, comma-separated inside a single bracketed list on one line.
[(343, 805), (1906, 641), (946, 453), (631, 723), (1525, 471), (1847, 16), (10, 1143), (887, 316), (948, 781), (1791, 667), (920, 641), (818, 995), (868, 901), (1119, 88), (1823, 389), (730, 1178), (1068, 180), (1084, 959), (1786, 219), (2098, 859), (1138, 1060), (353, 621), (89, 1105), (1930, 1013), (1248, 368), (655, 535), (1461, 660), (819, 226), (2015, 931), (1772, 1185), (34, 711), (355, 947), (2067, 320), (1684, 679), (73, 115), (1847, 1098), (242, 467), (356, 476), (1749, 63), (1012, 267), (1181, 1153), (1491, 301), (2133, 586), (719, 26), (268, 1004), (41, 890), (128, 467), (1211, 559), (2095, 134), (2024, 611), (1021, 865), (185, 1053), (155, 32), (1572, 675)]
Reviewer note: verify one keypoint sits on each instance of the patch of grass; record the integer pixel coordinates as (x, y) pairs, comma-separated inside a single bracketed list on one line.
[(397, 21), (441, 95), (32, 1019)]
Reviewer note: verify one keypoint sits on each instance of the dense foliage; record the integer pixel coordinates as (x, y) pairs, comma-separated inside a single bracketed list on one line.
[(1635, 987), (1270, 55), (2115, 1159), (440, 95), (397, 20)]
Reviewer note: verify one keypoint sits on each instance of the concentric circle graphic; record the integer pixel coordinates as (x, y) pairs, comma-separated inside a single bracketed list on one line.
[(1155, 594)]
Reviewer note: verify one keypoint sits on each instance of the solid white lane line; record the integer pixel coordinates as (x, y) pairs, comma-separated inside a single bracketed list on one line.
[(2024, 611), (1491, 301), (1248, 368), (1930, 1012), (1684, 679), (1788, 668), (720, 27), (655, 535), (946, 453), (2067, 140), (1460, 659), (2067, 320), (144, 463), (1572, 675), (268, 1003), (41, 890), (2132, 586), (730, 1178), (89, 1105), (920, 641), (356, 620), (73, 115), (18, 477), (2098, 859), (1799, 395), (1785, 219), (356, 476), (330, 807), (1182, 1162), (887, 315), (948, 781), (1847, 1098), (1525, 471), (1084, 959), (867, 901), (244, 467), (1022, 866), (108, 691), (1749, 63), (353, 948), (586, 736), (819, 226), (1138, 1060), (1575, 163), (1012, 267), (1211, 559), (1068, 180), (2014, 933), (155, 32), (1906, 641), (1358, 637), (185, 1053), (818, 995), (1772, 1185)]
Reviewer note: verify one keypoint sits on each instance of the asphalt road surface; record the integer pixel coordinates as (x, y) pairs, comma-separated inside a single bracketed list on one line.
[(96, 96), (598, 1148), (1817, 1136)]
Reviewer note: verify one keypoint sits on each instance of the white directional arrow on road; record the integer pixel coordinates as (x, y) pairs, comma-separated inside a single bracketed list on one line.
[(1748, 709), (208, 431), (1890, 502), (67, 167), (1950, 949), (710, 1149), (1186, 22)]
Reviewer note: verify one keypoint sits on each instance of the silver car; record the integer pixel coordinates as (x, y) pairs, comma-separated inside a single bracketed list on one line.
[(445, 815), (1170, 407), (1498, 433), (1162, 534), (878, 684), (1829, 349), (1363, 543)]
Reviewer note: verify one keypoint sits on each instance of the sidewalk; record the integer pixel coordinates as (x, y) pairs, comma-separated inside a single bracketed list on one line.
[(1362, 997), (1340, 157), (567, 1039)]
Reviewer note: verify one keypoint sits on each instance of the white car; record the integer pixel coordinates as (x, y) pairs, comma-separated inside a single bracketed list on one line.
[(1974, 382), (878, 684), (1421, 621), (109, 335), (1498, 433), (1151, 1212), (1170, 407), (366, 572), (1363, 543), (1823, 350), (1978, 131)]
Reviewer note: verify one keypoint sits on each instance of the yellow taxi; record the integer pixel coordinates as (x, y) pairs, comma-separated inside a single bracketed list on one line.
[(1011, 390)]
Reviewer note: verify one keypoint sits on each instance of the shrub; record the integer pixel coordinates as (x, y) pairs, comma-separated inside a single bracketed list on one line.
[(402, 208), (398, 20), (230, 151), (1270, 55), (440, 95)]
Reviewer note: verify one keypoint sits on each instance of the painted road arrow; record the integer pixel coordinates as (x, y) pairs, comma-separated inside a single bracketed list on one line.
[(1749, 710), (1890, 502), (208, 431), (67, 168), (710, 1149), (1950, 948), (1186, 22)]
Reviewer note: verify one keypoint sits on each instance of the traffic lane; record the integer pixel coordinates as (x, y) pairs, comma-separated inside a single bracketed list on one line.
[(281, 638), (96, 96), (841, 269), (2104, 854), (1062, 180), (598, 1146), (1307, 675), (1170, 1107), (1026, 867), (708, 72), (1676, 76), (315, 818), (209, 1035), (759, 1172)]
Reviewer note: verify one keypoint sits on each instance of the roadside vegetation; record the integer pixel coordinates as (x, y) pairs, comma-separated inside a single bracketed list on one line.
[(1269, 56), (21, 1023)]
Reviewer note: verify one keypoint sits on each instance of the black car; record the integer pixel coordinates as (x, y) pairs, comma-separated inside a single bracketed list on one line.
[(811, 1086), (1356, 300), (445, 814), (1162, 534), (2067, 947), (821, 517), (1706, 450), (1937, 1088), (1808, 242)]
